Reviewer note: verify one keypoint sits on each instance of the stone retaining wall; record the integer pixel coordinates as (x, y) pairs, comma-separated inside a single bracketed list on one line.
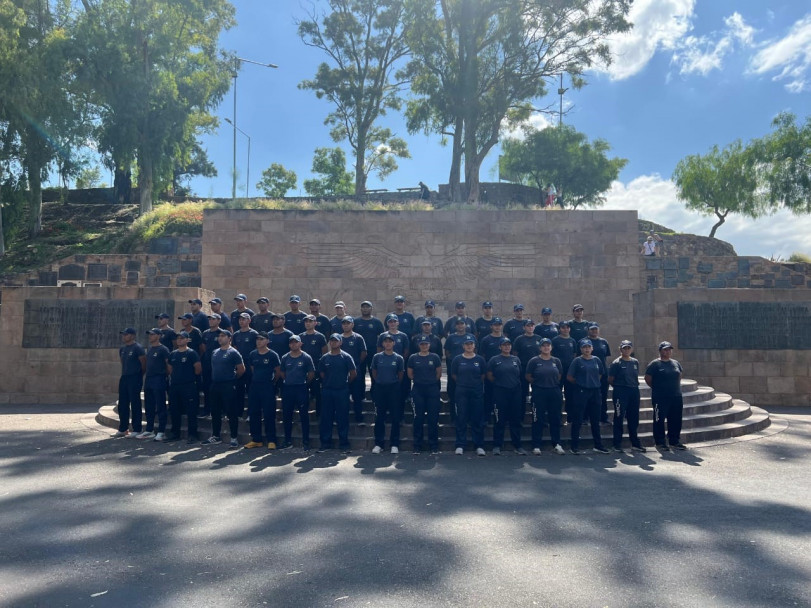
[(722, 272)]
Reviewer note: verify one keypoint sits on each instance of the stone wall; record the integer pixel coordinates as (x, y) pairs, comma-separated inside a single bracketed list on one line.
[(759, 376), (718, 272), (71, 375), (538, 258)]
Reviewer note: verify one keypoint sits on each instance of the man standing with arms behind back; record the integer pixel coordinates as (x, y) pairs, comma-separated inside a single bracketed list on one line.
[(133, 366)]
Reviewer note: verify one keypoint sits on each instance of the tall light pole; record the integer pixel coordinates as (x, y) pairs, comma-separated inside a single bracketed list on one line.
[(237, 63), (248, 172), (561, 91)]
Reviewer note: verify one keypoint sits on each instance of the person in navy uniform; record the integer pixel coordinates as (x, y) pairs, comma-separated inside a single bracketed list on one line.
[(297, 371), (168, 334), (426, 331), (241, 300), (210, 344), (387, 369), (424, 368), (369, 327), (544, 373), (338, 317), (279, 343), (585, 372), (504, 372), (265, 367), (565, 348), (337, 370), (515, 326), (133, 365), (578, 326), (526, 346), (155, 387), (184, 371), (602, 351), (294, 318), (355, 346), (195, 335), (322, 323), (623, 376), (401, 347), (244, 341), (436, 322), (314, 344), (450, 324), (226, 367), (663, 376), (454, 346), (547, 328), (263, 320), (216, 308), (489, 347), (407, 322), (468, 371), (199, 318), (482, 324)]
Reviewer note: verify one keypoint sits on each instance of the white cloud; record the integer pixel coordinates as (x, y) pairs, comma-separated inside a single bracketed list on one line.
[(701, 55), (658, 24), (536, 121), (655, 198), (791, 55)]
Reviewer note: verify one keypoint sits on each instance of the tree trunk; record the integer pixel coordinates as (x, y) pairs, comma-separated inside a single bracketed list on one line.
[(34, 200), (360, 163), (2, 237), (145, 183), (722, 217), (470, 102), (455, 177), (122, 186)]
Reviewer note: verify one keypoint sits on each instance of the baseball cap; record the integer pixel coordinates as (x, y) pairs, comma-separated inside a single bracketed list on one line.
[(163, 315), (518, 307), (186, 315), (294, 338), (594, 326), (366, 303), (388, 338), (226, 332), (426, 322), (487, 304), (529, 322), (276, 315), (505, 341), (263, 334), (430, 303), (310, 318), (546, 311), (241, 296), (263, 299), (244, 315), (215, 301), (563, 324), (545, 341), (497, 321), (424, 340), (154, 331), (665, 345), (468, 340), (399, 298), (577, 307), (183, 334), (336, 337), (392, 317), (585, 342), (295, 298), (315, 301), (340, 303), (214, 315), (196, 301), (348, 319), (460, 304), (625, 343), (460, 321)]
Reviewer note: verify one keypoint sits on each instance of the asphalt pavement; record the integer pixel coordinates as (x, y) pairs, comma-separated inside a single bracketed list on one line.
[(92, 521)]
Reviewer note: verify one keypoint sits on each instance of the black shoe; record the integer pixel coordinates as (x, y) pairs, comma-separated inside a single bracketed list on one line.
[(639, 448), (191, 440), (663, 447), (678, 446), (322, 449), (346, 450), (287, 444), (600, 449), (305, 447)]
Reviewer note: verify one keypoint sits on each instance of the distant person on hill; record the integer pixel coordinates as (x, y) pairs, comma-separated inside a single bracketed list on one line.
[(648, 247), (551, 194), (425, 192)]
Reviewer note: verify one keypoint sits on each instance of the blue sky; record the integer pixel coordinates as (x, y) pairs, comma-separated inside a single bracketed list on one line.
[(691, 74)]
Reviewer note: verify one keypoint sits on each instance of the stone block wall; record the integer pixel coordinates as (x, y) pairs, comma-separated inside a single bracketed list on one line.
[(537, 258), (70, 375), (762, 377)]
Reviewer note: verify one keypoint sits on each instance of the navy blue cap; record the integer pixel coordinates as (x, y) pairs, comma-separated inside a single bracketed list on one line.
[(469, 340), (214, 315), (424, 340), (310, 318), (226, 332), (545, 341), (426, 322), (215, 301), (460, 304), (625, 343), (295, 298), (528, 322), (546, 311), (460, 320), (430, 303), (518, 307), (505, 340), (399, 298), (276, 315), (154, 331), (367, 303), (392, 317), (241, 296), (184, 334), (244, 315), (563, 324), (497, 321), (263, 299), (577, 307), (487, 304), (294, 338), (585, 342), (263, 334), (348, 319), (665, 345), (163, 315), (186, 315), (337, 337), (387, 337), (196, 301), (315, 301), (594, 326)]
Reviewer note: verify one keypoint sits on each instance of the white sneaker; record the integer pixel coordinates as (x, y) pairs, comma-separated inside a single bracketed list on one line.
[(559, 449), (146, 435), (395, 449), (118, 434), (133, 434), (536, 451), (459, 451), (160, 437), (480, 452), (496, 451), (377, 449)]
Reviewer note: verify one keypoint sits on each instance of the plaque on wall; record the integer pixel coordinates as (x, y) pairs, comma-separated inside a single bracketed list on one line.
[(745, 325), (88, 323)]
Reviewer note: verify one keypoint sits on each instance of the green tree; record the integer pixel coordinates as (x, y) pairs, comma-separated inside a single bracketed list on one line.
[(784, 163), (721, 182), (365, 42), (479, 65), (276, 181), (581, 170), (154, 69), (89, 177), (336, 180)]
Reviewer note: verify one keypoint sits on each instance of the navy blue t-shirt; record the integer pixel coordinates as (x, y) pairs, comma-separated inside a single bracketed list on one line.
[(450, 325), (514, 328), (313, 344), (130, 359), (491, 346), (423, 368), (235, 317), (625, 373), (525, 347), (210, 341), (407, 323), (400, 341), (262, 322), (387, 367), (200, 320), (546, 373), (335, 370), (168, 336), (434, 346), (224, 364), (578, 329), (564, 349), (600, 349), (263, 366), (469, 372), (370, 329), (355, 345), (665, 377), (324, 326), (156, 358), (547, 331), (506, 371), (225, 321), (436, 325), (280, 343), (245, 341), (586, 372), (294, 321), (195, 339), (483, 327), (183, 366), (454, 344), (296, 368)]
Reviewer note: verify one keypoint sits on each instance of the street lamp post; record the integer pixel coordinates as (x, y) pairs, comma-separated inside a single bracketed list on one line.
[(248, 172), (237, 63)]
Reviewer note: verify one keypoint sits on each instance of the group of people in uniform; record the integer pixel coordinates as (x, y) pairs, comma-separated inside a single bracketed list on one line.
[(494, 368)]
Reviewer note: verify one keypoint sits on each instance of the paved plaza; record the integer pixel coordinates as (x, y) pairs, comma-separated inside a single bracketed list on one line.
[(92, 521)]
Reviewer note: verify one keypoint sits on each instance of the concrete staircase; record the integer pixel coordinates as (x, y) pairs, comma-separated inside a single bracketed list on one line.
[(708, 415)]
